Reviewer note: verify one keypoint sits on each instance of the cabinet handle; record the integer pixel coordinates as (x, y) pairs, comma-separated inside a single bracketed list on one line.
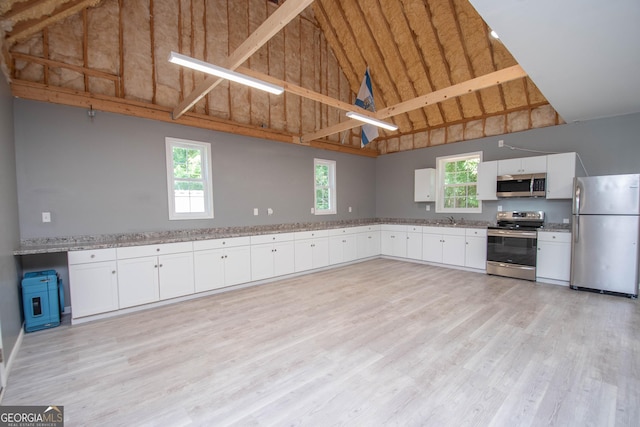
[(226, 256), (155, 266), (93, 255), (224, 243), (113, 272), (160, 265), (157, 249), (222, 257)]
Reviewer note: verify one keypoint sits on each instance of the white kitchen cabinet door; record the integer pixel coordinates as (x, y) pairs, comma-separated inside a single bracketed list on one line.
[(342, 248), (237, 265), (554, 256), (320, 252), (561, 169), (176, 275), (368, 244), (414, 246), (424, 185), (262, 262), (432, 247), (522, 165), (94, 288), (283, 258), (394, 243), (209, 269), (453, 248), (138, 281), (304, 255), (487, 174), (311, 253), (476, 252)]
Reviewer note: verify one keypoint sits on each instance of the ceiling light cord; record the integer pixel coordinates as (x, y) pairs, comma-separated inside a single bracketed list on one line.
[(512, 147)]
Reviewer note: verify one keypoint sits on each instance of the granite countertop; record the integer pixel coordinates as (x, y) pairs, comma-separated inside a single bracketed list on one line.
[(104, 241)]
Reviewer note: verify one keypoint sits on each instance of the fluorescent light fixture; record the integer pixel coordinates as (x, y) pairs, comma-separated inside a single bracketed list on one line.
[(375, 122), (205, 67)]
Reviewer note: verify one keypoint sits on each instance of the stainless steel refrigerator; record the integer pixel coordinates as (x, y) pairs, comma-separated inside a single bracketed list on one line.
[(606, 229)]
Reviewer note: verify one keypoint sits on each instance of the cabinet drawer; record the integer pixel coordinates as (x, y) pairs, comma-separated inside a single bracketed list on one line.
[(393, 227), (549, 236), (341, 231), (203, 245), (477, 232), (93, 255), (302, 235), (451, 231), (271, 238), (149, 250), (414, 228), (366, 228)]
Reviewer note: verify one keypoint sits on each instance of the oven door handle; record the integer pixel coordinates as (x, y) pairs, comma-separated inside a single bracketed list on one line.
[(512, 233)]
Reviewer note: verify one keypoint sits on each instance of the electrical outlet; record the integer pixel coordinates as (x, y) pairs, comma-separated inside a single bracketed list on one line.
[(500, 143), (428, 208), (565, 220), (350, 210), (46, 216), (255, 211), (499, 208), (269, 211), (313, 210)]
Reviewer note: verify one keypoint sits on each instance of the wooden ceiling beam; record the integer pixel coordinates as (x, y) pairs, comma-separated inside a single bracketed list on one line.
[(274, 23), (305, 93), (488, 80), (27, 28)]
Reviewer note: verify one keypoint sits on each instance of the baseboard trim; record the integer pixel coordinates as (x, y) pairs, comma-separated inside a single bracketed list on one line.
[(12, 357)]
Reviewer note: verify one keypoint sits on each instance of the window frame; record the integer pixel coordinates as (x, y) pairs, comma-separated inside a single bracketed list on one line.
[(333, 208), (206, 170), (440, 185)]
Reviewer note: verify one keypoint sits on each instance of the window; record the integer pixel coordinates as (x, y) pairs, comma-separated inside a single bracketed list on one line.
[(324, 186), (189, 179), (457, 178)]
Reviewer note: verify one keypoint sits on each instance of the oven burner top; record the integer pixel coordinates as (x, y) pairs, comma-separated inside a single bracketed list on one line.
[(517, 220)]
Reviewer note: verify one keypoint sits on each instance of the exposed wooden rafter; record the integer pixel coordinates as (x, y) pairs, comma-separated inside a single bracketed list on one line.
[(25, 28), (281, 17), (470, 86)]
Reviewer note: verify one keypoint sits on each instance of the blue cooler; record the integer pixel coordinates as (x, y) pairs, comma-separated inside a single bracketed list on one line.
[(42, 299)]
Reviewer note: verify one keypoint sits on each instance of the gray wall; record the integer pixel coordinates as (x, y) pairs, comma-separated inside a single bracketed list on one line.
[(606, 146), (10, 313), (108, 175)]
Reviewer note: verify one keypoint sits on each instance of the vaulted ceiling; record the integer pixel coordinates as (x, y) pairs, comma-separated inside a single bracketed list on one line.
[(436, 71)]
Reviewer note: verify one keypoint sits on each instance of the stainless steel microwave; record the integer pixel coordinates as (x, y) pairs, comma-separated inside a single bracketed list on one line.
[(527, 185)]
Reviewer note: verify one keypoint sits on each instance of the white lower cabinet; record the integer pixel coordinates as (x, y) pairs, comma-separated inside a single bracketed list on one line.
[(414, 242), (221, 262), (93, 282), (368, 241), (272, 259), (475, 255), (445, 245), (311, 250), (393, 240), (553, 263), (144, 278), (342, 246)]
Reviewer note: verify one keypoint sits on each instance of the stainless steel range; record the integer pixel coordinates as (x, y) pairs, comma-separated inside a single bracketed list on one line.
[(512, 244)]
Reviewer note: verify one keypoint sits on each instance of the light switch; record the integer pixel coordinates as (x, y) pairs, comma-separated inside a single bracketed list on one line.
[(269, 211), (350, 210), (46, 216), (428, 208)]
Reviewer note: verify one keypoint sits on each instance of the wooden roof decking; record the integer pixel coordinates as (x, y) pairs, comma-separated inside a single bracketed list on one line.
[(112, 55)]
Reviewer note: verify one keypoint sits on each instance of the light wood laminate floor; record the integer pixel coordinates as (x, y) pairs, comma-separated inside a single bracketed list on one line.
[(381, 342)]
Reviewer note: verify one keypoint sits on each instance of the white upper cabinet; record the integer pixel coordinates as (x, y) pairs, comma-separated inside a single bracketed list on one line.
[(535, 164), (424, 185), (487, 174), (561, 169)]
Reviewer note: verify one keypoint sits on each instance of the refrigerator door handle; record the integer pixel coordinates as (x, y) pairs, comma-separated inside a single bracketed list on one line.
[(576, 218)]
